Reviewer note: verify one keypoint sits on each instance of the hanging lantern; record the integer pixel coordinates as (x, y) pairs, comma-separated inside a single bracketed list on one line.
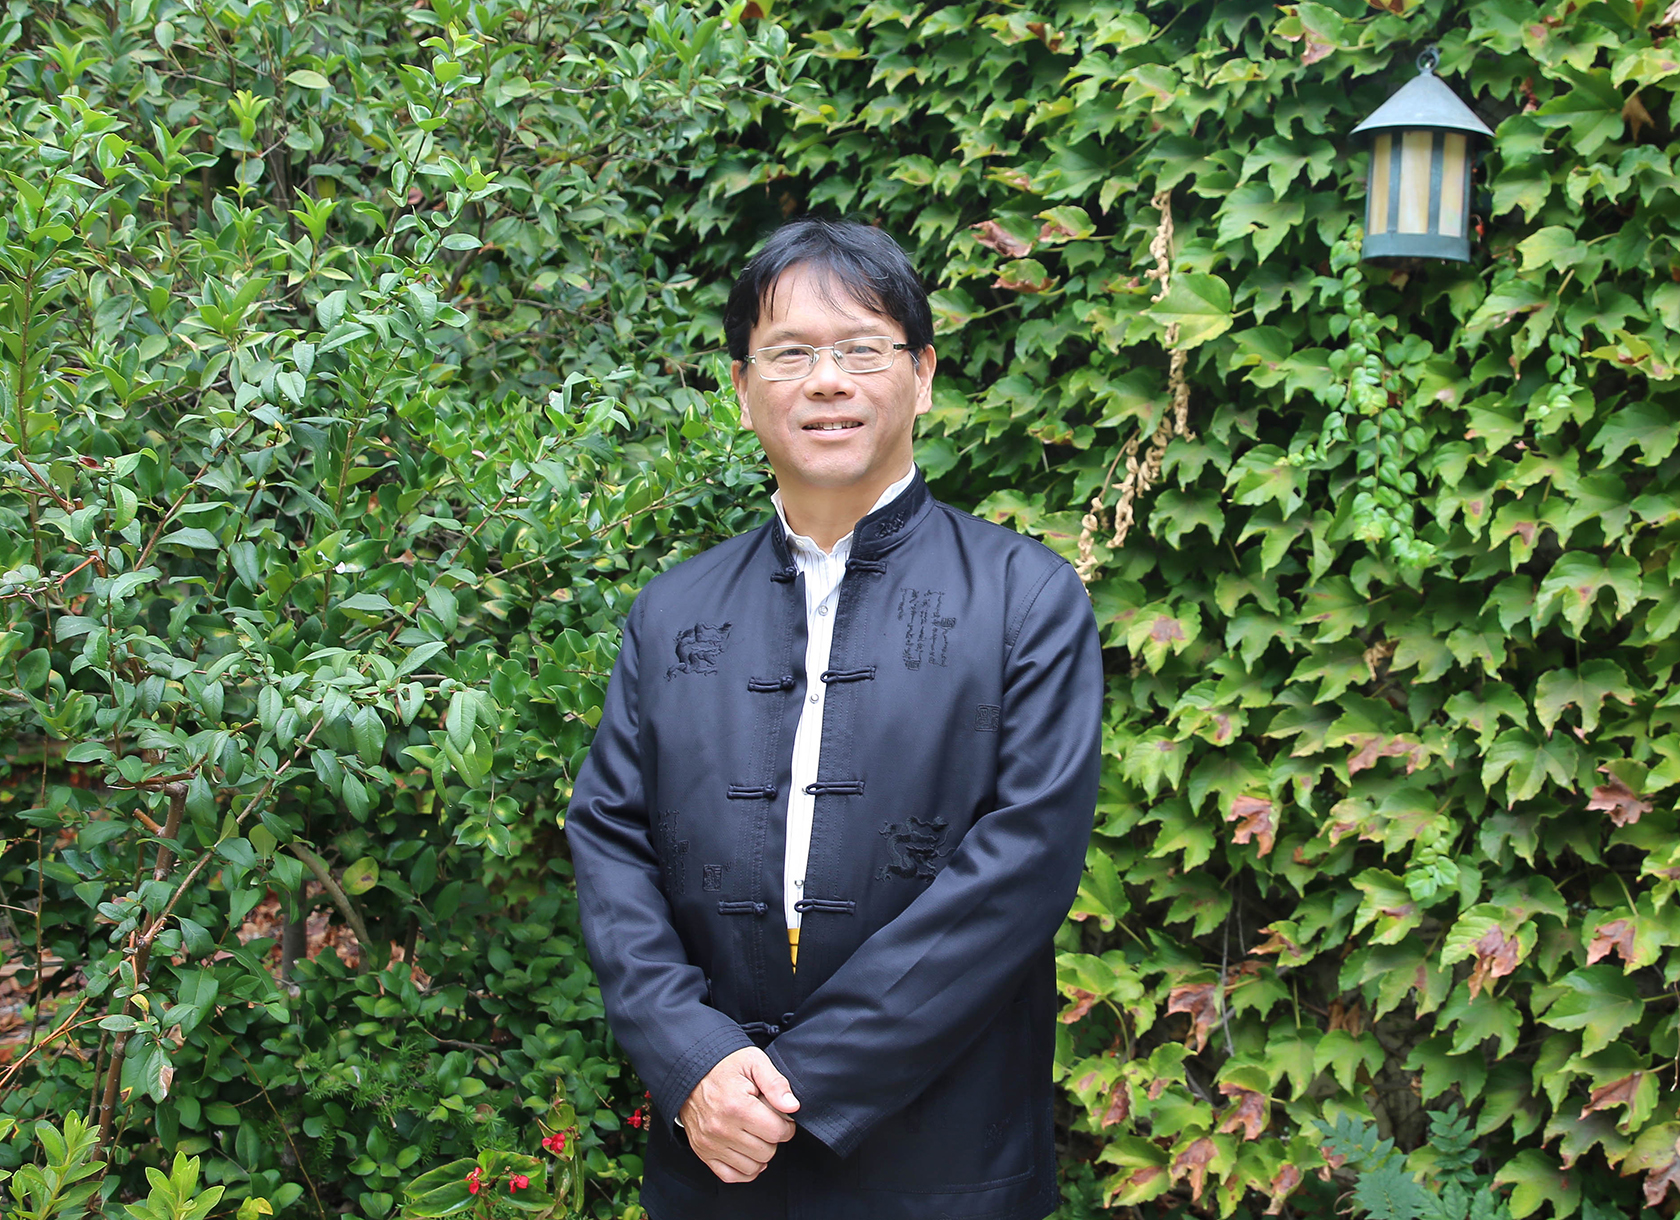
[(1418, 190)]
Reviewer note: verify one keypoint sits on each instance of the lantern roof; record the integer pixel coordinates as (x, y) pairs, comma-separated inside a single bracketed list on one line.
[(1424, 101)]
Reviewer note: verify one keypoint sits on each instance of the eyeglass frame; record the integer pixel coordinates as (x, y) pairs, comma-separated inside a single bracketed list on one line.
[(816, 357)]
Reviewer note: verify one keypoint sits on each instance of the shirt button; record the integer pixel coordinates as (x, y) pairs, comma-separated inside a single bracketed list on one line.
[(814, 698), (799, 885), (823, 609)]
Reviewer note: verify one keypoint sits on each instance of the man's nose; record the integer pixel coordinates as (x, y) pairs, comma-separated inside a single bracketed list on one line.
[(828, 377)]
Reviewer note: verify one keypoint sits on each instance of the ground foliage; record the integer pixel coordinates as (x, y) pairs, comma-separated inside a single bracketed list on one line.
[(349, 404)]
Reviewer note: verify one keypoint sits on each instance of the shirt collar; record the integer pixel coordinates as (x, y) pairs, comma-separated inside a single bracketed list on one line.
[(800, 544)]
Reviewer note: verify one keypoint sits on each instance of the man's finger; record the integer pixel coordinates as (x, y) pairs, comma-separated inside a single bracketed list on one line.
[(771, 1084), (732, 1166), (752, 1118)]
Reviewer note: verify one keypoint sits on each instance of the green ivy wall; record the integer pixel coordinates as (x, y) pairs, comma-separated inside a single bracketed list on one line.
[(359, 363)]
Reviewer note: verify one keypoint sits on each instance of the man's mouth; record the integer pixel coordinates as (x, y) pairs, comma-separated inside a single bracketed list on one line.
[(836, 426)]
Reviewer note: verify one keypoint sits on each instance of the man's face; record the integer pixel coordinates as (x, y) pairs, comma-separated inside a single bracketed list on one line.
[(832, 430)]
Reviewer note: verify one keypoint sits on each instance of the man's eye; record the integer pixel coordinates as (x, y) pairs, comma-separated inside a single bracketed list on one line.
[(865, 347), (788, 357)]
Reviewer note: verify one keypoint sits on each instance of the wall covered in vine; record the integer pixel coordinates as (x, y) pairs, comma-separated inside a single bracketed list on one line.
[(358, 362), (1383, 554)]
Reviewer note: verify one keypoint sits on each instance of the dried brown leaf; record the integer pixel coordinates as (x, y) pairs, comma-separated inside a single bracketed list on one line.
[(1496, 956), (1082, 1001), (1199, 1001), (1660, 1177), (1615, 936), (1616, 1093), (1194, 1161), (995, 237), (1119, 1107), (1030, 287), (1052, 39), (1276, 942), (1635, 116), (1284, 1184), (1372, 746), (1165, 629), (1247, 1111), (1349, 1017), (1255, 821), (1315, 49), (1622, 803)]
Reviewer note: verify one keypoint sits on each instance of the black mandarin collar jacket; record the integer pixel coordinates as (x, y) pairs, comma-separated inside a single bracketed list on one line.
[(954, 799)]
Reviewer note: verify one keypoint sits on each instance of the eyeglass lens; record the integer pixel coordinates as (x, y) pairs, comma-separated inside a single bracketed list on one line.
[(869, 354)]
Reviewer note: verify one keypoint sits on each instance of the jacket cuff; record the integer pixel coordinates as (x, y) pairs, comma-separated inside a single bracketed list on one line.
[(671, 1092), (836, 1133)]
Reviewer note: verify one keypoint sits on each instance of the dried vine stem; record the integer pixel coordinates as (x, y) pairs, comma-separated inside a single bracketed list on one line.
[(1143, 474)]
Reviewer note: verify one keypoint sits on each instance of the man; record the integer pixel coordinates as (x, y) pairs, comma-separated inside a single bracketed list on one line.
[(838, 801)]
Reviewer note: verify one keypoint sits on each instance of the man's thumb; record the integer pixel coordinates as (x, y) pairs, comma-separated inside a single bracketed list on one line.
[(771, 1084)]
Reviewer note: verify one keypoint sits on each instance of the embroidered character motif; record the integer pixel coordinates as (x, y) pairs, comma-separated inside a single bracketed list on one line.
[(926, 631), (711, 878), (698, 649), (915, 846), (673, 854), (987, 718)]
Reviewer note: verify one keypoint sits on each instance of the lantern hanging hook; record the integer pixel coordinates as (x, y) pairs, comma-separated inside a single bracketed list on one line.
[(1429, 59)]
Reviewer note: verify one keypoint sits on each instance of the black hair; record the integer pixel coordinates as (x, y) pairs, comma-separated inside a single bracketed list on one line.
[(870, 266)]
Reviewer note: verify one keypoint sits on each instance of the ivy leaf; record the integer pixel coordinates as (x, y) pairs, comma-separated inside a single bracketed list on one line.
[(1575, 582), (1155, 760), (1552, 246), (1644, 426), (1475, 1019), (1592, 111), (1527, 764), (1199, 305), (1600, 1001), (1586, 688), (1496, 937), (1262, 475), (1344, 1056), (1538, 1179), (1443, 1070), (1253, 210), (1387, 904), (1159, 631), (1656, 1154)]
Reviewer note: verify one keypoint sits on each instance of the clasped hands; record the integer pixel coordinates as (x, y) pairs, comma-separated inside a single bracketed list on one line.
[(738, 1114)]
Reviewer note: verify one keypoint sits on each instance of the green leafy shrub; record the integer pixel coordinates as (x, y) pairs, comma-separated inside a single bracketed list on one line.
[(342, 411)]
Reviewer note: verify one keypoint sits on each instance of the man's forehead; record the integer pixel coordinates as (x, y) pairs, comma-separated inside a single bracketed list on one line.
[(831, 290)]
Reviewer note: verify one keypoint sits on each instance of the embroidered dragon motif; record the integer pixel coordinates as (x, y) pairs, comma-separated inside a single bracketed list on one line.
[(698, 649), (915, 846)]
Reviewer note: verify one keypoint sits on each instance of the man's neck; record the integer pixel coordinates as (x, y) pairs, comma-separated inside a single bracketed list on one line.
[(826, 514)]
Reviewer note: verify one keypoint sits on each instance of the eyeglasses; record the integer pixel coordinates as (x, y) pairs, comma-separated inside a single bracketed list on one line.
[(791, 361)]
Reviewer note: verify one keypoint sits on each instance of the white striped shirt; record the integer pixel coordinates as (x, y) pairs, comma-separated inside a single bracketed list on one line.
[(823, 572)]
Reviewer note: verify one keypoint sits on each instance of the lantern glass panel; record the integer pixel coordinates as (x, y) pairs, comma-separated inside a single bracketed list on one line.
[(1416, 153), (1376, 210), (1455, 180)]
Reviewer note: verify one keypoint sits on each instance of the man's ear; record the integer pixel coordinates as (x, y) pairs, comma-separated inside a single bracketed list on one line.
[(738, 378), (924, 380)]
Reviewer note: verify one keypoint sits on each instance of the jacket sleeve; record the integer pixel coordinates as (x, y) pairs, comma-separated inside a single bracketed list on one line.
[(655, 998), (917, 992)]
